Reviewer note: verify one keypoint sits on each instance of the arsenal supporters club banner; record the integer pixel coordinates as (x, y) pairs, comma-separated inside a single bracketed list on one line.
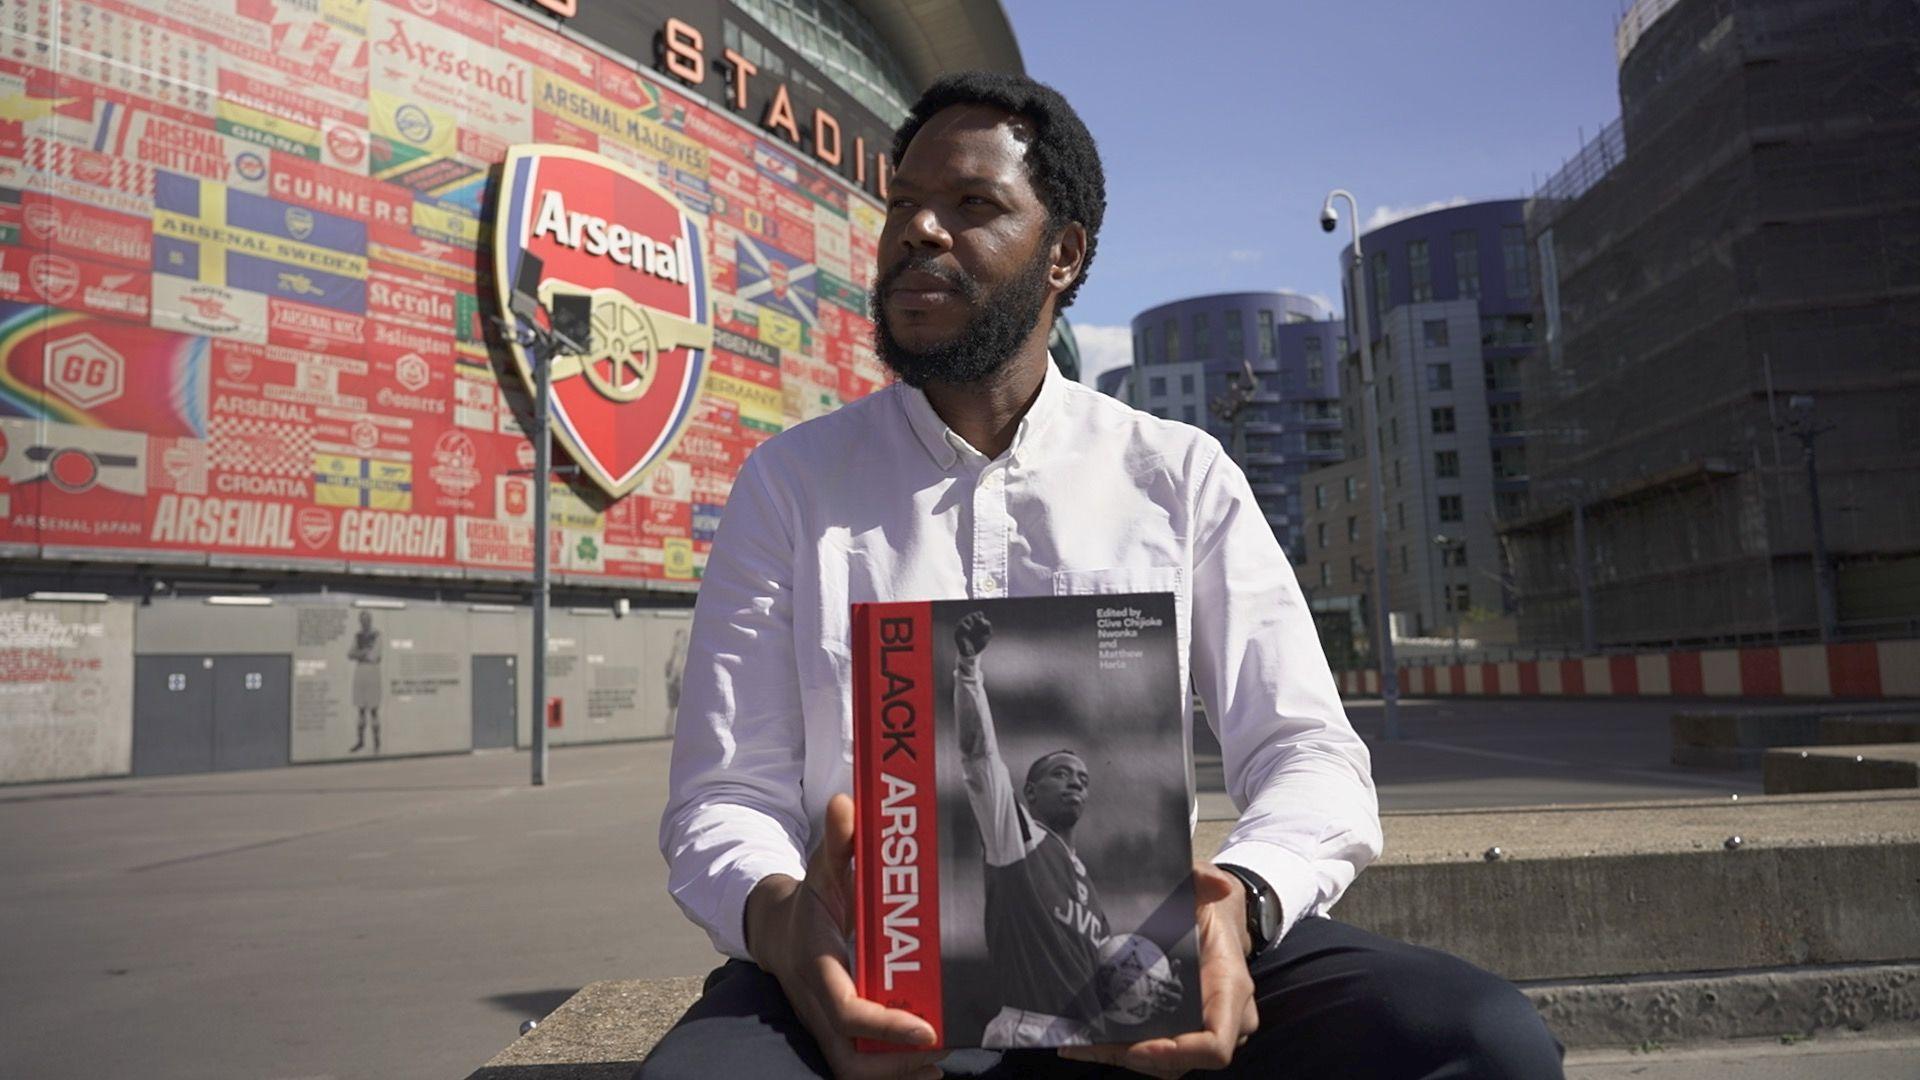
[(249, 268)]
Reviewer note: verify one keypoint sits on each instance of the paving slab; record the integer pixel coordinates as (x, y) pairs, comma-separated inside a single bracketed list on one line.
[(1737, 737)]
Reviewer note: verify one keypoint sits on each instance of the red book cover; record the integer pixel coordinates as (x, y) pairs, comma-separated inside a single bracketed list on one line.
[(1022, 853)]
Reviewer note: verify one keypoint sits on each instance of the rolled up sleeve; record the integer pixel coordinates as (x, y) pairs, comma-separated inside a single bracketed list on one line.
[(734, 813), (1295, 768)]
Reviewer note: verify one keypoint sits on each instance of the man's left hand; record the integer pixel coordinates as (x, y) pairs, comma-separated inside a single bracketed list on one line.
[(1227, 1010)]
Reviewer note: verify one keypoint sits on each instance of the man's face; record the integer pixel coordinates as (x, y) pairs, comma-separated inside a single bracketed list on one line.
[(366, 621), (967, 260), (1058, 795)]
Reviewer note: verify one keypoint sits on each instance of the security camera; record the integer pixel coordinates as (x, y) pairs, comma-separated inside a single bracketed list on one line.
[(1329, 218)]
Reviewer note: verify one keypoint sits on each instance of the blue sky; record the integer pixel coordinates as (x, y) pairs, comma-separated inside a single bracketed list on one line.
[(1223, 123)]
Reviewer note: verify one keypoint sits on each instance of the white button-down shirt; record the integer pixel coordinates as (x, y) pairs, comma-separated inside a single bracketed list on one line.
[(882, 501)]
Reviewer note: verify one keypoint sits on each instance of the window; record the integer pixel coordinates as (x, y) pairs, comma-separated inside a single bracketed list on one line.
[(1320, 534), (1506, 331), (1379, 285), (1450, 509), (1390, 394), (1266, 333), (1316, 364), (1443, 420), (1397, 482), (1202, 340), (1466, 264), (1353, 528), (1186, 384), (1461, 597), (1513, 248), (1502, 372), (1439, 376), (1319, 496), (1504, 418), (1236, 338), (1509, 463), (1393, 426), (1510, 504), (1353, 488), (1434, 332), (1421, 270), (1446, 464), (1400, 512), (1326, 573), (1139, 348), (1353, 568), (1454, 554), (1172, 338), (1403, 558)]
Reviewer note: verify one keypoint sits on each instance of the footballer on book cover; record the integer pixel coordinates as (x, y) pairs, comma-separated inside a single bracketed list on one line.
[(1023, 857)]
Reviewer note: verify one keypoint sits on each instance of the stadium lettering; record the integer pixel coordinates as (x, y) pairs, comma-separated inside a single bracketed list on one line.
[(262, 408), (896, 709), (509, 83), (370, 532), (284, 487), (317, 193), (191, 519), (416, 402), (899, 877), (669, 262)]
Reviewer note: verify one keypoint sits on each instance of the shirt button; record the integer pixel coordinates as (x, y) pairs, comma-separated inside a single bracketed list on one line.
[(988, 586)]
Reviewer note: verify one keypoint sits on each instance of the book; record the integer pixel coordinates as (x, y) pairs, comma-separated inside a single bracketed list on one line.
[(1023, 853)]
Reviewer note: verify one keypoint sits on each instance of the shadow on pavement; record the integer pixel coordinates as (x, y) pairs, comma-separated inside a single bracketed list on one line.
[(530, 1004)]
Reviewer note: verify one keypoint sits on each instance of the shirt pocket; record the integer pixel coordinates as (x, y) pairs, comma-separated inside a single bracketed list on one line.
[(1121, 579)]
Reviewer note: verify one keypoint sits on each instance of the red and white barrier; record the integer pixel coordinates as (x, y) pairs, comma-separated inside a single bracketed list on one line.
[(1858, 669)]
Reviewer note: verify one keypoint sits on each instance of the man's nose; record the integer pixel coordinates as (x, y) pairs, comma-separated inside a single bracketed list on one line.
[(923, 229)]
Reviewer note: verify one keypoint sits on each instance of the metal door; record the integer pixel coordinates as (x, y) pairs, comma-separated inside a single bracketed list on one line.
[(496, 702), (172, 715), (252, 711)]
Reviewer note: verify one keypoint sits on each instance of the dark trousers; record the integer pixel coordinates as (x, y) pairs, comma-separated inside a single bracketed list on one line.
[(1335, 1001)]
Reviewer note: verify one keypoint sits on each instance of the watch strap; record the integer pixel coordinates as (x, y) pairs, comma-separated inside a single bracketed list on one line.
[(1259, 896)]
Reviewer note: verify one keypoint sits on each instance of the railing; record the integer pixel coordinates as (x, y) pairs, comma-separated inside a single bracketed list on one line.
[(1588, 166)]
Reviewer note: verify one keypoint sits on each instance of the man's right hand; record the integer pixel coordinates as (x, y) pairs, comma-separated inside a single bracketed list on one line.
[(972, 634), (797, 932)]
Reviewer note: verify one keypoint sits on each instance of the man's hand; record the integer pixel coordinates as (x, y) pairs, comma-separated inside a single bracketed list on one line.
[(972, 634), (1227, 1010), (797, 932)]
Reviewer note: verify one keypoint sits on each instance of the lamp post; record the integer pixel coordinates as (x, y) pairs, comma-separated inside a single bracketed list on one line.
[(1383, 619), (1445, 544), (1802, 425), (567, 331)]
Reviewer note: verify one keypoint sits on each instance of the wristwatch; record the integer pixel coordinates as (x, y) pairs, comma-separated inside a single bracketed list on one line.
[(1263, 908)]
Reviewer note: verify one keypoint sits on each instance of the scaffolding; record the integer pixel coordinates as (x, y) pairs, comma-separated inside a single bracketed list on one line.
[(1747, 234)]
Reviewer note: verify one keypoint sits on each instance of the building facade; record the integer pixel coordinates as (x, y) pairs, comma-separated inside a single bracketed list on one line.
[(1728, 268), (252, 373), (1450, 295), (1186, 352)]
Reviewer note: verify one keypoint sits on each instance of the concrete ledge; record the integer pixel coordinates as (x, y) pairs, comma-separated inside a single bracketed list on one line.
[(1607, 916), (1797, 769), (1737, 739), (1882, 998)]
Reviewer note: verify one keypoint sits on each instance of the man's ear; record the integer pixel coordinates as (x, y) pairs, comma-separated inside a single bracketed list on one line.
[(1069, 254)]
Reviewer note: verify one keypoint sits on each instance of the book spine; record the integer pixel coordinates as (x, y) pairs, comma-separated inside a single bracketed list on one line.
[(896, 830)]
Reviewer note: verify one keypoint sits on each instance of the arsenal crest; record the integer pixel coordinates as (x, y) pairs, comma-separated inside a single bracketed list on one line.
[(604, 231)]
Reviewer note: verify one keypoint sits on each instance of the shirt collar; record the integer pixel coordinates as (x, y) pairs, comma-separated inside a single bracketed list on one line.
[(944, 446)]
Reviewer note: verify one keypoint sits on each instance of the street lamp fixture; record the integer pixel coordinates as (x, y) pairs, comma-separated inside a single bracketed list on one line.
[(1370, 402), (564, 329), (1446, 544), (1802, 424)]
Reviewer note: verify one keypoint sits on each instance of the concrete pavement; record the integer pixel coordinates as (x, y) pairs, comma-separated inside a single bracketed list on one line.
[(400, 918)]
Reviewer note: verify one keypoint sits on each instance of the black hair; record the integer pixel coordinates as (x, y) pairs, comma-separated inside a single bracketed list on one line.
[(1062, 161), (1034, 770)]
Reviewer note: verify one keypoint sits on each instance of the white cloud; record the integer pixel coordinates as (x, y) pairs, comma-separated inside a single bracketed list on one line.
[(1320, 298), (1245, 255), (1387, 215), (1102, 348)]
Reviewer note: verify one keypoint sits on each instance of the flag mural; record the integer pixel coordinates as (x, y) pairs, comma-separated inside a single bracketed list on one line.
[(247, 271)]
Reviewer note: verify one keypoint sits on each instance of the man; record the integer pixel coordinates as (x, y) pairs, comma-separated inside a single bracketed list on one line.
[(984, 473), (1044, 921)]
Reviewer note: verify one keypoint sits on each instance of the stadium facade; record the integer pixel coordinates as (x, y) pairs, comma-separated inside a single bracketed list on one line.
[(1186, 352), (1730, 267), (265, 491)]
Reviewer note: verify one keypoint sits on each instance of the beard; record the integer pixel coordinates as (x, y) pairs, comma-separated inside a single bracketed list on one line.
[(1002, 318)]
